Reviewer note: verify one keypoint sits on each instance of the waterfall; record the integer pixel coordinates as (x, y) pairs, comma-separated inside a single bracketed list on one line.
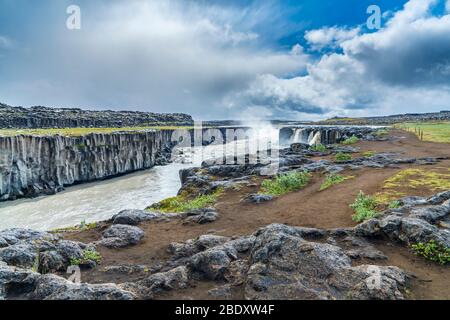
[(298, 135), (316, 138)]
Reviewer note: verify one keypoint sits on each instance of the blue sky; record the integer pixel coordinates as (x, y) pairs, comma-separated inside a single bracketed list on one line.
[(228, 59)]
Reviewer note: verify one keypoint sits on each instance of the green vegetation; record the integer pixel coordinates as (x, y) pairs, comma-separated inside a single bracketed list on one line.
[(318, 148), (369, 154), (381, 133), (340, 157), (181, 203), (88, 255), (285, 183), (83, 226), (364, 207), (77, 132), (395, 204), (353, 139), (333, 179), (432, 251), (429, 131), (407, 181)]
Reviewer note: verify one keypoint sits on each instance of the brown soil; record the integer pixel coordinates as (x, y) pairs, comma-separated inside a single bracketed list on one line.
[(308, 208)]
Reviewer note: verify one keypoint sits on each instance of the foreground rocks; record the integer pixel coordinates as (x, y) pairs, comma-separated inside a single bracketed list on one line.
[(276, 262)]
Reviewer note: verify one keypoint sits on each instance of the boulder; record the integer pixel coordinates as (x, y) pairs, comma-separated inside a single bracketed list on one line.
[(202, 216), (134, 217), (174, 279), (258, 198), (120, 235)]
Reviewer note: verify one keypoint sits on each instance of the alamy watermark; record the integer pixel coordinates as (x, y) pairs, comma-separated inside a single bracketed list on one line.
[(73, 22)]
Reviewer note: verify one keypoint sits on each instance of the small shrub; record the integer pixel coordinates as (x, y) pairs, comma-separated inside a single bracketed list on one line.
[(369, 154), (318, 148), (332, 179), (381, 133), (364, 207), (351, 140), (88, 255), (181, 204), (395, 204), (285, 183), (433, 251), (340, 157)]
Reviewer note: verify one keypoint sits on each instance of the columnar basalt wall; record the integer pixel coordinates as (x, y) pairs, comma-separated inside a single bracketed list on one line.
[(34, 165)]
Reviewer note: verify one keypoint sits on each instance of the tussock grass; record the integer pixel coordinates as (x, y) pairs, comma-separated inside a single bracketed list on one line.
[(181, 203), (340, 157), (285, 183), (351, 140), (333, 179), (88, 255), (432, 251), (369, 154), (318, 148), (364, 207)]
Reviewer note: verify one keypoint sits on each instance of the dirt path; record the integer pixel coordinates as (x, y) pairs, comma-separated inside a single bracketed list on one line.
[(308, 208)]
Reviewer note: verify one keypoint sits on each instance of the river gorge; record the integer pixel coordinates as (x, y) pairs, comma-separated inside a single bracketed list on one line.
[(88, 160)]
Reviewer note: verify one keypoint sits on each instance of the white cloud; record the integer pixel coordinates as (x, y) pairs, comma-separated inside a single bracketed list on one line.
[(404, 67), (447, 6), (330, 36)]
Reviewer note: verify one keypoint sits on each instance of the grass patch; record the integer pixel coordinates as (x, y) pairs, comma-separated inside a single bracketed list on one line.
[(353, 139), (369, 154), (77, 132), (83, 226), (318, 148), (395, 204), (406, 181), (181, 203), (429, 131), (88, 255), (432, 251), (285, 183), (341, 156), (364, 207), (381, 133), (333, 179)]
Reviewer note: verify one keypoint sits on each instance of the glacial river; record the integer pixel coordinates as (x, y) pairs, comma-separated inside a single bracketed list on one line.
[(94, 201)]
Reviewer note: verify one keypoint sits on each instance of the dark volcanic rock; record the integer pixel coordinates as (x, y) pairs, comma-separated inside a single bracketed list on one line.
[(258, 198), (202, 216), (134, 217), (177, 278), (120, 235)]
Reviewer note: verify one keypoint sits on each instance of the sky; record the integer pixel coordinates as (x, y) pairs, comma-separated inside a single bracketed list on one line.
[(299, 60)]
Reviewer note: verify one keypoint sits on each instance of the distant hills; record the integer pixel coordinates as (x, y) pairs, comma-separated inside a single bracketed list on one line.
[(383, 120)]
